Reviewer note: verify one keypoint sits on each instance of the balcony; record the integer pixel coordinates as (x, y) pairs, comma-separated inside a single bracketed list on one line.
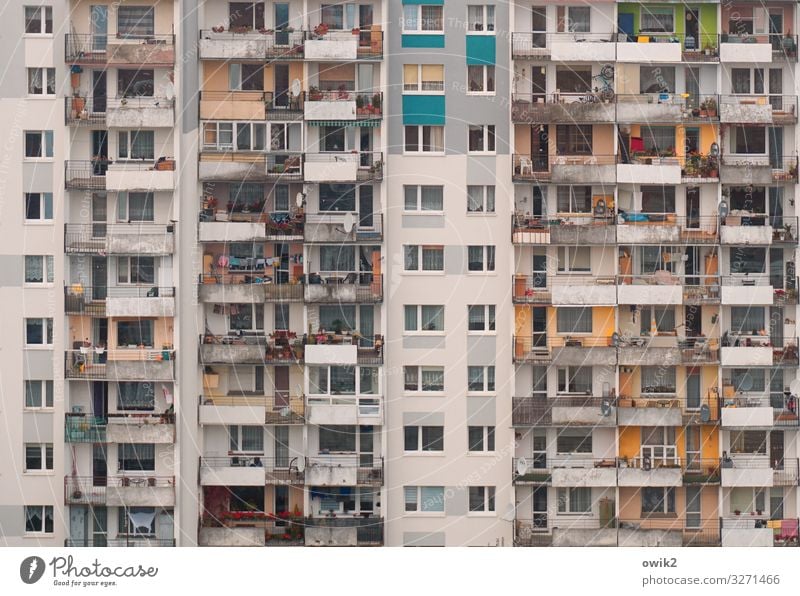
[(758, 229), (343, 531), (589, 230), (344, 409), (342, 227), (702, 290), (242, 288), (564, 47), (343, 105), (124, 364), (650, 169), (344, 470), (364, 288), (251, 409), (565, 290), (119, 301), (568, 108), (80, 428), (748, 48), (653, 48), (565, 169), (85, 175), (570, 471), (575, 350), (701, 471), (252, 45), (667, 531), (134, 50), (563, 410), (737, 348), (343, 348), (668, 350), (140, 490), (344, 46), (745, 530), (121, 541), (119, 239), (130, 112), (248, 470), (755, 410), (363, 166), (746, 289), (778, 110), (661, 288), (141, 428), (104, 174), (667, 108), (250, 105), (744, 470), (745, 170), (654, 466), (241, 226), (651, 409), (667, 228), (251, 348)]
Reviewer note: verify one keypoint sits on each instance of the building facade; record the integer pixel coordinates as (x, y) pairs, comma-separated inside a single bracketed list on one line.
[(263, 291)]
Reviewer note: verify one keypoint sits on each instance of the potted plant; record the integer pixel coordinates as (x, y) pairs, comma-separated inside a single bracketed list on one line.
[(218, 29), (359, 104), (321, 29), (337, 325), (711, 107), (314, 94), (703, 110), (75, 77), (376, 103), (737, 512)]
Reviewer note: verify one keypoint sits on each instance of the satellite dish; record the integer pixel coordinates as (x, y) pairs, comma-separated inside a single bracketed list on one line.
[(714, 150), (746, 383), (299, 199), (615, 339), (794, 387), (169, 91), (605, 407), (723, 208), (296, 87), (510, 513), (522, 466), (301, 464), (705, 413), (349, 222)]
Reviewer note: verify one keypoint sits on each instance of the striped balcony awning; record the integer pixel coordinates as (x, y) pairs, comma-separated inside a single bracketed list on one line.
[(342, 123)]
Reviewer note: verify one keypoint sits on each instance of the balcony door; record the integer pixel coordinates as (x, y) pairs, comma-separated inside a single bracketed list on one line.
[(539, 268), (281, 23), (540, 141), (282, 446), (539, 27), (99, 21), (776, 317), (99, 278), (776, 449), (99, 465), (539, 507), (693, 400), (99, 91), (281, 85), (281, 387), (692, 28)]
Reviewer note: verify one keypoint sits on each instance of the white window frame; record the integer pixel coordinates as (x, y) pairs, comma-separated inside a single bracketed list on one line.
[(564, 500), (356, 381), (42, 447), (44, 511), (420, 250), (419, 373), (488, 137), (47, 394), (420, 144), (256, 321), (43, 198), (48, 271), (128, 136), (486, 191), (661, 10), (42, 21), (485, 260), (47, 334), (485, 69), (418, 329), (419, 499), (44, 144), (420, 87), (489, 434), (565, 256), (237, 428), (418, 18), (488, 495), (124, 204), (487, 10), (127, 281), (569, 19), (489, 319), (489, 381), (419, 208), (665, 491), (569, 373), (46, 74), (420, 441)]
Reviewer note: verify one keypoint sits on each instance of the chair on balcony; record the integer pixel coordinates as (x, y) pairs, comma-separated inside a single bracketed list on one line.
[(525, 163), (351, 278)]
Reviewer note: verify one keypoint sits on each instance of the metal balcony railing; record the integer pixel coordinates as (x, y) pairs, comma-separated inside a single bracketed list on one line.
[(269, 44), (80, 428), (667, 107), (277, 470), (369, 528), (783, 167), (786, 471), (369, 467), (526, 167), (100, 237), (88, 48), (369, 106), (782, 108), (85, 175), (93, 490), (538, 44), (784, 45), (90, 300), (272, 349), (90, 362), (122, 540), (273, 292)]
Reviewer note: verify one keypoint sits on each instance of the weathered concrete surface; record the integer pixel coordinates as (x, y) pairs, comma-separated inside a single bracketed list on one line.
[(590, 294), (649, 294), (583, 537), (573, 112), (741, 171), (649, 356), (121, 51), (333, 414), (649, 416), (250, 414), (128, 431), (242, 47), (140, 370), (589, 415), (330, 110), (648, 233), (232, 293), (233, 476), (230, 231), (327, 228), (134, 116), (582, 477), (748, 537), (232, 354), (140, 496), (654, 477), (331, 474), (143, 307), (746, 235), (232, 537), (333, 48), (651, 112), (578, 356), (634, 173), (628, 537), (745, 113), (584, 174), (246, 169), (119, 178), (316, 536), (600, 235), (134, 243)]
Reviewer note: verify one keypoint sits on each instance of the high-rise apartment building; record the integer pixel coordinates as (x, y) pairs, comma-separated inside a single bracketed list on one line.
[(262, 288)]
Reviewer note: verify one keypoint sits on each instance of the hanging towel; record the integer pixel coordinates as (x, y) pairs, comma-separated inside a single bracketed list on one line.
[(142, 520)]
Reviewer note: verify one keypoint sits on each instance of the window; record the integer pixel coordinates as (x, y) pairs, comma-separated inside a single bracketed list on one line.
[(480, 258), (333, 380), (480, 438), (246, 439), (656, 499), (38, 20), (749, 442), (136, 396), (656, 19), (423, 258), (423, 19), (39, 269), (481, 138), (38, 144), (138, 457), (423, 438), (38, 206), (135, 21), (748, 198), (574, 379), (480, 18), (246, 14), (658, 318), (481, 499), (749, 140), (574, 320), (137, 521), (480, 79), (574, 139), (337, 197), (42, 81), (135, 333), (38, 457), (480, 199), (423, 198), (337, 258), (424, 139), (423, 378), (747, 380), (135, 83), (574, 440), (574, 199), (368, 380), (218, 136), (574, 79), (480, 379), (574, 500), (420, 318), (481, 317), (741, 79), (425, 499), (39, 332), (425, 78), (333, 16), (574, 259), (747, 320), (245, 77), (38, 519), (340, 438), (246, 317), (658, 199), (136, 270), (136, 144), (749, 259), (579, 19), (135, 207), (659, 139), (38, 394), (657, 80), (658, 379)]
